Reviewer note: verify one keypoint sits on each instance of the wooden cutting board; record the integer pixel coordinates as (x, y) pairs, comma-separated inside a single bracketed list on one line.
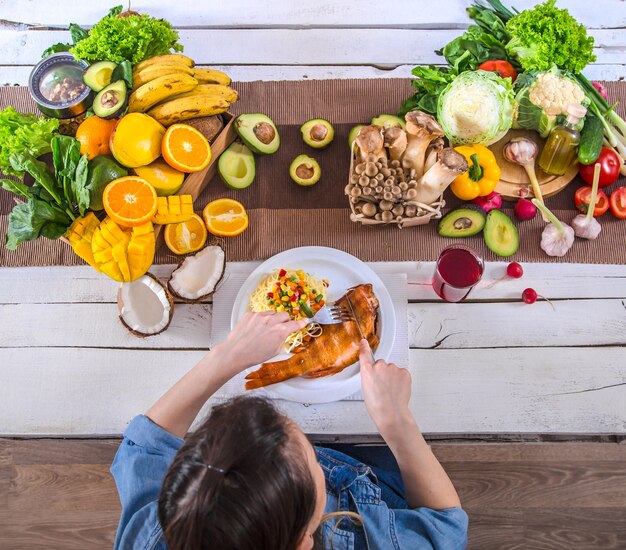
[(514, 177)]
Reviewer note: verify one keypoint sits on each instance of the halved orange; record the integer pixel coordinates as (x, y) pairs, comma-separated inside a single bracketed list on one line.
[(225, 217), (186, 237), (130, 201), (185, 148)]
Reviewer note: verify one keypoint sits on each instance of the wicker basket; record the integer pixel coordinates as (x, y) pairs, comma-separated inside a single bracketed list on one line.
[(423, 212)]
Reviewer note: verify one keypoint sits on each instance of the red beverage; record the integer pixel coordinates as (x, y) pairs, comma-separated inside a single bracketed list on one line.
[(458, 269)]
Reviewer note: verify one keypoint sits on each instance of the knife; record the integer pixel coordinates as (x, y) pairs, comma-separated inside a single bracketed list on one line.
[(358, 325)]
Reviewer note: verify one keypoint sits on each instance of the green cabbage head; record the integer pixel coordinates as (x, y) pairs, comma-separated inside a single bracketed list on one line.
[(476, 107)]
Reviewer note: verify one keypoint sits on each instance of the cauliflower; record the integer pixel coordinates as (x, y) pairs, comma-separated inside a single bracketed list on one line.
[(543, 96)]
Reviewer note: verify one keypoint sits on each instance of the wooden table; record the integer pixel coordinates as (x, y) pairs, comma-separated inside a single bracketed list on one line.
[(492, 365)]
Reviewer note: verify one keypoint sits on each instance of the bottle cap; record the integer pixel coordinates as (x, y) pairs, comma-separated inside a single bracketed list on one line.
[(575, 112)]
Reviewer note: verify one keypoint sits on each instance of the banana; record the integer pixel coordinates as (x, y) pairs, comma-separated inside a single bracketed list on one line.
[(166, 59), (155, 71), (179, 109), (160, 89), (226, 92), (211, 76)]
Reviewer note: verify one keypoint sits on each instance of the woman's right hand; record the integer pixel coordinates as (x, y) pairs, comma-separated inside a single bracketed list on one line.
[(256, 338), (386, 390)]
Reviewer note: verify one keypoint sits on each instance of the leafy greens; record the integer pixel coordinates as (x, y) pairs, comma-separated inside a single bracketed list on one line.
[(23, 133), (131, 37)]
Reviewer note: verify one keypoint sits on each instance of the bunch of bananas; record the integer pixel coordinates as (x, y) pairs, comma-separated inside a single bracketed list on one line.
[(170, 89)]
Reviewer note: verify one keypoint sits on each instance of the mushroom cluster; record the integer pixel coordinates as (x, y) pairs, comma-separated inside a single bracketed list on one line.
[(399, 173)]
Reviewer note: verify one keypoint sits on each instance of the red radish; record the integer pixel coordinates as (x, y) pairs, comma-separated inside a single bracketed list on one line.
[(529, 296), (601, 89), (514, 270), (524, 209), (488, 202)]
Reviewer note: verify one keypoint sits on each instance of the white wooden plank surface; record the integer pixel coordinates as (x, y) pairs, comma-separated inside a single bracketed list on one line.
[(68, 391), (59, 284), (251, 13)]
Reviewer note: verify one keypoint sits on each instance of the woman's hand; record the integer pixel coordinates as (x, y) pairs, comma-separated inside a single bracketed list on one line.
[(386, 390), (257, 337)]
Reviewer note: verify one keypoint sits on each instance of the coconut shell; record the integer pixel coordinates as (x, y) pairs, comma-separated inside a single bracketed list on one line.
[(120, 305), (205, 296)]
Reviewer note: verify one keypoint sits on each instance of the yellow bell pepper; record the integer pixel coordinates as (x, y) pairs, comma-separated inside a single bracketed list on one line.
[(80, 234), (482, 176), (123, 253), (173, 209)]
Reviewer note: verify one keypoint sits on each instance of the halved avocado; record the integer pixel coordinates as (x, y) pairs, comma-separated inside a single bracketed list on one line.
[(354, 131), (388, 121), (317, 132), (236, 166), (98, 75), (462, 222), (501, 236), (305, 170), (111, 101), (258, 132)]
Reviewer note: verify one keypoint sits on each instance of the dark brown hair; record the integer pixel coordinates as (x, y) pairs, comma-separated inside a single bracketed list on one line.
[(265, 498)]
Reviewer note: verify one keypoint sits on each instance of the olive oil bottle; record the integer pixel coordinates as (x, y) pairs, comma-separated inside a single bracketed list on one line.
[(559, 152)]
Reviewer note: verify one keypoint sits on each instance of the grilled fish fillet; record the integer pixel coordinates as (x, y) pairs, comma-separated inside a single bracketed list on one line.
[(333, 351)]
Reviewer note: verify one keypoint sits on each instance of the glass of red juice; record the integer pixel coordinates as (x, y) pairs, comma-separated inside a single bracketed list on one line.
[(458, 270)]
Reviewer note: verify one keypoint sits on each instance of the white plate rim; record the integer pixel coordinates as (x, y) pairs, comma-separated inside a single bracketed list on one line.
[(365, 274)]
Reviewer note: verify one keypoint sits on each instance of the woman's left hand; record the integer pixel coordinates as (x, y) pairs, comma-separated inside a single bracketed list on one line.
[(256, 338)]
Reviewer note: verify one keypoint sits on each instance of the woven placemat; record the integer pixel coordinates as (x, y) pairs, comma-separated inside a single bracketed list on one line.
[(283, 215)]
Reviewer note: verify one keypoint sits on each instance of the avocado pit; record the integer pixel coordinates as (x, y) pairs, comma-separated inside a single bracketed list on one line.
[(264, 132)]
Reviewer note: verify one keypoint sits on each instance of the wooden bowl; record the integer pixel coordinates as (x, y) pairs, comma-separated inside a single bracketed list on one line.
[(514, 177)]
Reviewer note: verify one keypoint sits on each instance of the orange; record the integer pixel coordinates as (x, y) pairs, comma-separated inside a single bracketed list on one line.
[(225, 217), (186, 237), (130, 201), (94, 134), (185, 148)]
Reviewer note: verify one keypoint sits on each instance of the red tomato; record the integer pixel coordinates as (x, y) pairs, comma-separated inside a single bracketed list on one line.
[(618, 203), (503, 68), (610, 165), (581, 200)]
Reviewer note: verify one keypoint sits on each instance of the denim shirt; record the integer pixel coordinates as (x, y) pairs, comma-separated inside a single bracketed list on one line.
[(388, 523)]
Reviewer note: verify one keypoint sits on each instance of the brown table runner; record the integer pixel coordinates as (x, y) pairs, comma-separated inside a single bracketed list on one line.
[(283, 215)]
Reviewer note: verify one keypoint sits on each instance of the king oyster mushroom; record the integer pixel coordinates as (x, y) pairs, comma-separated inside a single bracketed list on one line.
[(431, 153), (370, 142), (396, 141), (196, 278), (145, 306), (421, 129), (433, 183)]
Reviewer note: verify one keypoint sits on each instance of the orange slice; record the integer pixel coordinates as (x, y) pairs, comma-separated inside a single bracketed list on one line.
[(130, 201), (225, 217), (186, 237), (185, 148)]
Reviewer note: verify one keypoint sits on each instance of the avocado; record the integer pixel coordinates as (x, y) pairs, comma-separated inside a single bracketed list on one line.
[(305, 170), (501, 236), (317, 132), (462, 222), (354, 131), (111, 101), (258, 132), (388, 121), (101, 170), (98, 75), (236, 166)]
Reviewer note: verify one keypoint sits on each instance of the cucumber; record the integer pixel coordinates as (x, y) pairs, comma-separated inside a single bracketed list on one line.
[(590, 140)]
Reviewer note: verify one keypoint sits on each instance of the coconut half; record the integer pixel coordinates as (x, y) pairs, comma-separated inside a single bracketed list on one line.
[(196, 278), (145, 306)]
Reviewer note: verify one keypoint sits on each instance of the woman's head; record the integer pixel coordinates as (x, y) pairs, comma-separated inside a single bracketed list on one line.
[(271, 494)]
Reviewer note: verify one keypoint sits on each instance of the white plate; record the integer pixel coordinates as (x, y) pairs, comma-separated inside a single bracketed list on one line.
[(342, 271)]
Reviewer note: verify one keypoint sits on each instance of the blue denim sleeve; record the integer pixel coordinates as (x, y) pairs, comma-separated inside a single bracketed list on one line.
[(443, 529), (139, 467)]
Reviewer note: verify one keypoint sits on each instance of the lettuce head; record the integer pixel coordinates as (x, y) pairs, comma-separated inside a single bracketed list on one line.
[(476, 107)]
